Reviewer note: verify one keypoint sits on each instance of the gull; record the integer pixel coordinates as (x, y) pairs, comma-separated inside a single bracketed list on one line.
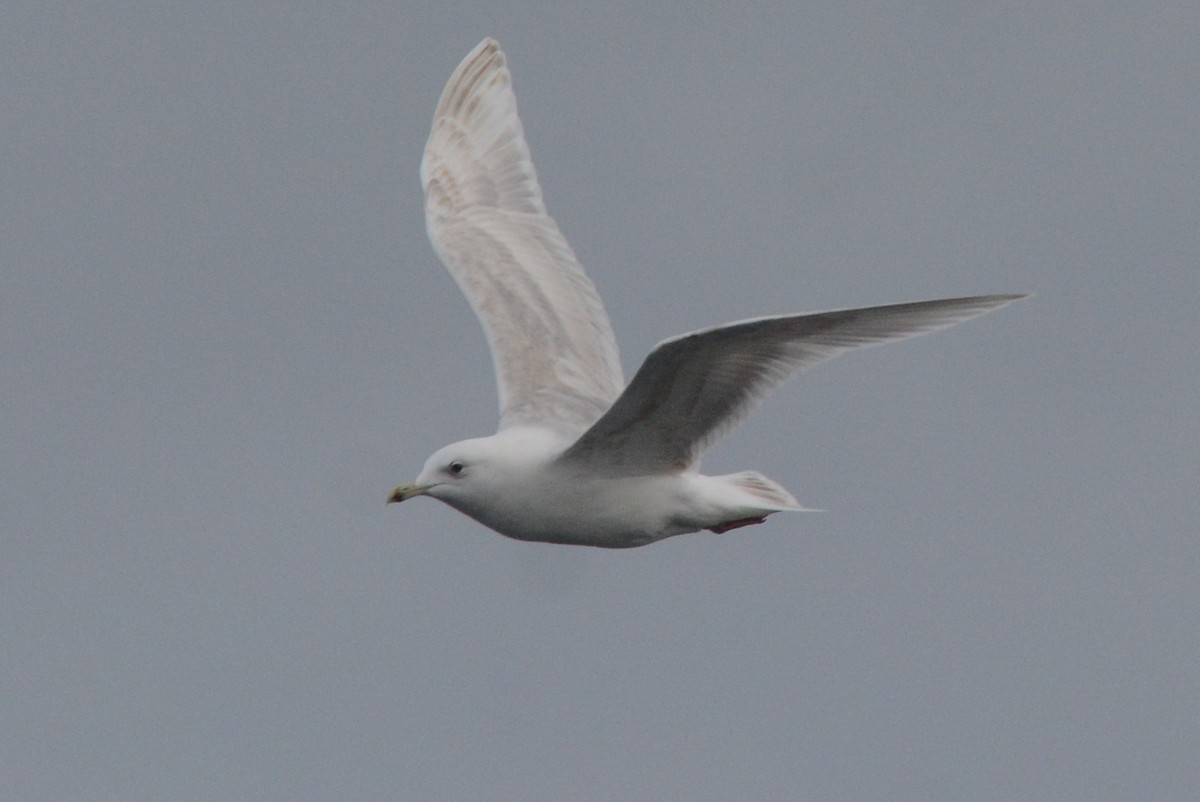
[(580, 458)]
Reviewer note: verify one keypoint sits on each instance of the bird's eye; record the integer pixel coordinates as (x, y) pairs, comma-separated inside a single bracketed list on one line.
[(456, 467)]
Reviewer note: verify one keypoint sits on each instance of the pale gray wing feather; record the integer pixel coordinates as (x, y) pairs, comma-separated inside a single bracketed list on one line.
[(691, 389), (551, 342)]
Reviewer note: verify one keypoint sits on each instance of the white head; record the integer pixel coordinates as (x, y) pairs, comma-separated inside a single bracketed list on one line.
[(452, 474), (482, 474)]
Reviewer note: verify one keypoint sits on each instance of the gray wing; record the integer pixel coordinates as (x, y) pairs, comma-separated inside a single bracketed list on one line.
[(552, 345), (691, 389)]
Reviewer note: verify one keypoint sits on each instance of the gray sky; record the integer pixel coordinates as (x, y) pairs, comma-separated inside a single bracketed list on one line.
[(225, 338)]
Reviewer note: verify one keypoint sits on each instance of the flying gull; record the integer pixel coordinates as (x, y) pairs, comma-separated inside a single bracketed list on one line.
[(580, 457)]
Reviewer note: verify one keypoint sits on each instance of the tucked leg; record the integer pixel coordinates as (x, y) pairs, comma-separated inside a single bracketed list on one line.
[(721, 529)]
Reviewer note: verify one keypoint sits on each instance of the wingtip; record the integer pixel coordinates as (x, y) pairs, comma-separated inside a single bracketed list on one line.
[(488, 46), (999, 299), (1004, 299)]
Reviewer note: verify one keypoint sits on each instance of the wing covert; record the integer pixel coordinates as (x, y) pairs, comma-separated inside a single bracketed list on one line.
[(551, 341), (691, 389)]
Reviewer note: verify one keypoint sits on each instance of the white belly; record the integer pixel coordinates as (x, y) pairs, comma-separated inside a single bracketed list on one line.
[(610, 512)]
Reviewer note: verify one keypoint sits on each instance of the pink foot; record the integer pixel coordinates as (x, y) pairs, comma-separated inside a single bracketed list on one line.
[(721, 529)]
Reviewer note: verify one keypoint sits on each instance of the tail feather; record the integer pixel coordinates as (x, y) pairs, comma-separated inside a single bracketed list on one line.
[(764, 490)]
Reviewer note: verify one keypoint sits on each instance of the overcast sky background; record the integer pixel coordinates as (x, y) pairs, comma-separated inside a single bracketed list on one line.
[(225, 338)]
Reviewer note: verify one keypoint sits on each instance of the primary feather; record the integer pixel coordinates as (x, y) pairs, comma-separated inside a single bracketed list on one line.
[(553, 347), (691, 389)]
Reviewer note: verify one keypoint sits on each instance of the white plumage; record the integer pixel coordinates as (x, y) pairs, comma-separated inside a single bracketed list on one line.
[(555, 353), (579, 458)]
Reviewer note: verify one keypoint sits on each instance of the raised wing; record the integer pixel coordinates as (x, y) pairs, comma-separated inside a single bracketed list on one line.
[(554, 352), (691, 389)]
